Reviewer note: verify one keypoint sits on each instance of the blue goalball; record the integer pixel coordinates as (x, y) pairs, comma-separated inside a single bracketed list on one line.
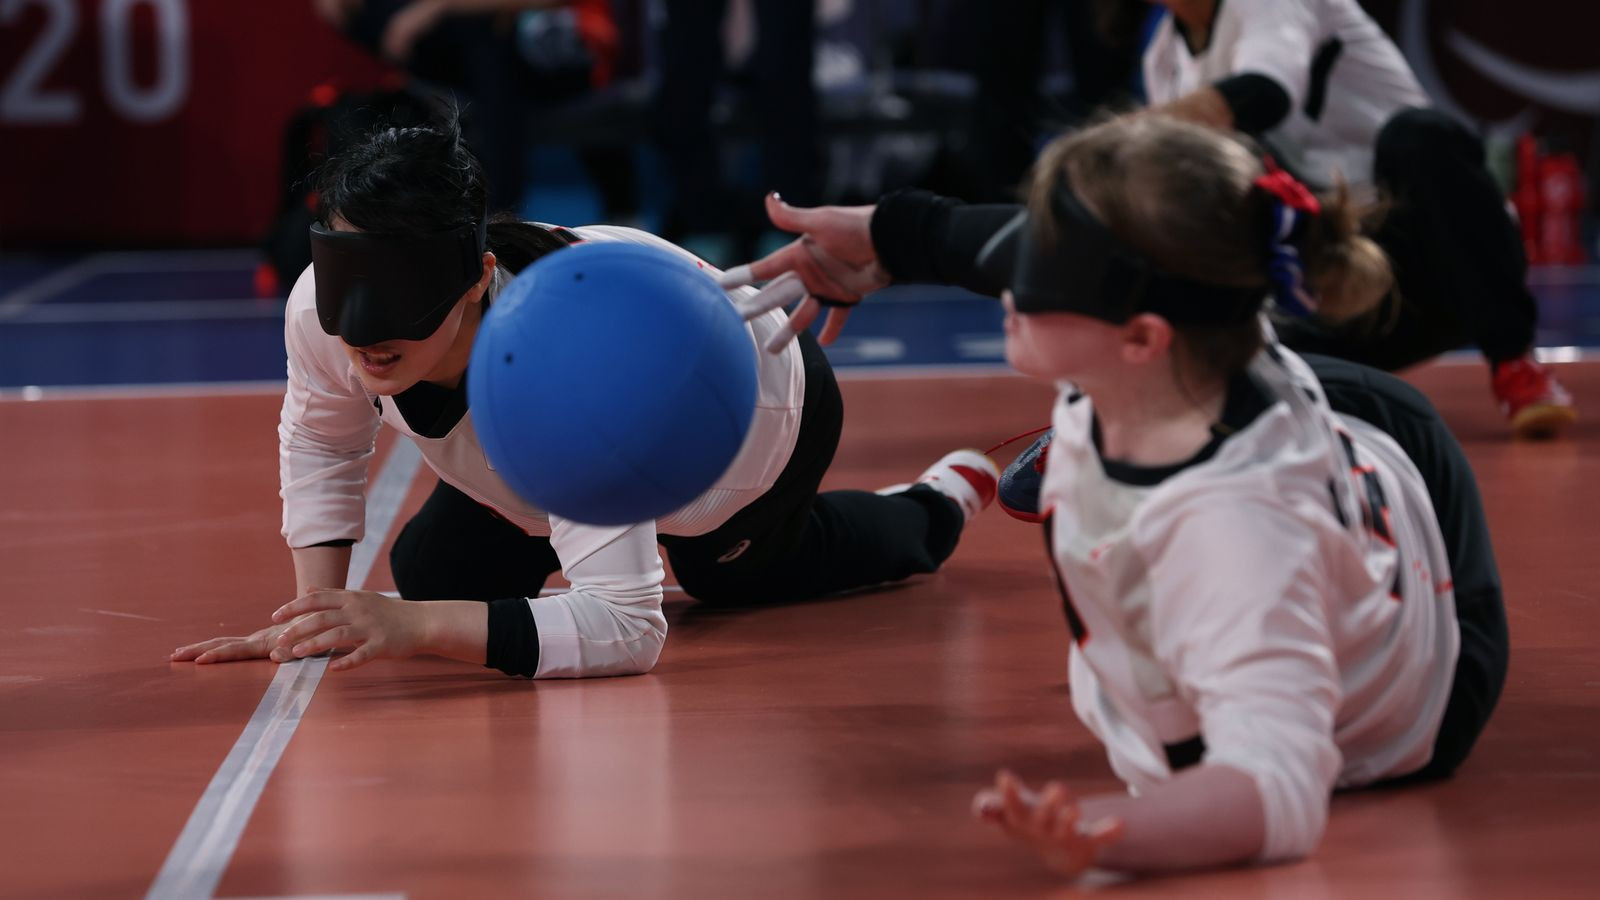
[(611, 383)]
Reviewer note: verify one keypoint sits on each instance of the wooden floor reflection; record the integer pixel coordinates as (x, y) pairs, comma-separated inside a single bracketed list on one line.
[(827, 749)]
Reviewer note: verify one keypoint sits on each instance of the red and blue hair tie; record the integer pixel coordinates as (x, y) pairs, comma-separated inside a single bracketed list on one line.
[(1293, 205)]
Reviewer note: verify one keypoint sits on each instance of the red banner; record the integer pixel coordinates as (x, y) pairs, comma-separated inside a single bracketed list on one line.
[(154, 121)]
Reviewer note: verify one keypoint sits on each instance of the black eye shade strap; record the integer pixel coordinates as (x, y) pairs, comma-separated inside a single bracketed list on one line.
[(1085, 269), (373, 288)]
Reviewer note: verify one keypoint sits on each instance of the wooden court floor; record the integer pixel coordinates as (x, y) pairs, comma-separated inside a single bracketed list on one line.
[(827, 749)]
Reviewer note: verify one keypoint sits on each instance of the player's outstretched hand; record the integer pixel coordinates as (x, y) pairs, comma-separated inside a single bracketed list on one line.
[(831, 264), (229, 649), (369, 625), (1047, 823)]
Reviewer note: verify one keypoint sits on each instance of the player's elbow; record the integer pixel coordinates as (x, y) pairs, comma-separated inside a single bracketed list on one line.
[(646, 650), (649, 626), (638, 632), (1295, 807)]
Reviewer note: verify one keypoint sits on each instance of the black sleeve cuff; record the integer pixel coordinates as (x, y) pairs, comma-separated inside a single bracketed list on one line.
[(922, 237), (513, 646), (1258, 103), (340, 542)]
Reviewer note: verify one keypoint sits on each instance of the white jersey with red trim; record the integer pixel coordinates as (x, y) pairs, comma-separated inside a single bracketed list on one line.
[(1287, 602), (1343, 75), (610, 622)]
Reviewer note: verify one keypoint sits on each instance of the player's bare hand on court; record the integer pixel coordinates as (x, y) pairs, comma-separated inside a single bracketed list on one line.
[(229, 649), (1048, 823), (833, 262), (369, 625)]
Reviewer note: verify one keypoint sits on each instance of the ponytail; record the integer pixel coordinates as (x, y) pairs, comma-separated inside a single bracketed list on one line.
[(517, 244), (1348, 270)]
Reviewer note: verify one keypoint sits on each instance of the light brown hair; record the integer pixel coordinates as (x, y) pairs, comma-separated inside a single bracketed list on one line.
[(1183, 196)]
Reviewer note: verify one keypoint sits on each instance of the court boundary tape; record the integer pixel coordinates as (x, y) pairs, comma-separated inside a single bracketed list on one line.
[(200, 856)]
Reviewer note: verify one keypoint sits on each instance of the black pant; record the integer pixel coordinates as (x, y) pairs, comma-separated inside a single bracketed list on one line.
[(784, 103), (1403, 413), (791, 543), (1459, 265)]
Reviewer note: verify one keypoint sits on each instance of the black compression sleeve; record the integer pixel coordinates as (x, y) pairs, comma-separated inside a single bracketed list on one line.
[(337, 542), (513, 638), (1258, 103), (923, 237)]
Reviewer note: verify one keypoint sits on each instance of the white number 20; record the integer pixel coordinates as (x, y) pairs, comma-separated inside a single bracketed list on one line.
[(24, 100)]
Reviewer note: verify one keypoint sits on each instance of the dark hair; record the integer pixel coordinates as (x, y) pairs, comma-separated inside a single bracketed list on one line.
[(421, 179), (1183, 195)]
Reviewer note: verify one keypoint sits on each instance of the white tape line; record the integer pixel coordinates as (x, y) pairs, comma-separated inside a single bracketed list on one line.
[(200, 856), (90, 313), (60, 281), (328, 897)]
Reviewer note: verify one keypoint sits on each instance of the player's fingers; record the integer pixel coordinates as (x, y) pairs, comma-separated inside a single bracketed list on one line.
[(834, 324), (799, 319), (1105, 832), (804, 314), (1057, 812), (782, 291), (360, 656), (1017, 811), (244, 648), (789, 218), (311, 624), (190, 651), (325, 640), (823, 274), (310, 601), (986, 806), (767, 267), (779, 340)]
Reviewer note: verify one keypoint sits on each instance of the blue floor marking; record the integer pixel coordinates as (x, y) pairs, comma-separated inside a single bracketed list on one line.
[(191, 317)]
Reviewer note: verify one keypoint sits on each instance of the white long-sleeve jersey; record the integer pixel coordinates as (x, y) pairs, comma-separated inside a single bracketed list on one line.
[(610, 622), (1286, 601), (1343, 75)]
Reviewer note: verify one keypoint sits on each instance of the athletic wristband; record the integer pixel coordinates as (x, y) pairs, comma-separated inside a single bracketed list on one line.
[(1258, 102), (513, 645)]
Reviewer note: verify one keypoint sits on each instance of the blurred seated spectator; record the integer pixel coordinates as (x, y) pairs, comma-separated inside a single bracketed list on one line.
[(706, 212), (506, 58)]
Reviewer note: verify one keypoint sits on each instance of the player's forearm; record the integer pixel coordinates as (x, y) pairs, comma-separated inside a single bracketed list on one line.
[(923, 237), (1208, 816), (320, 567), (456, 629)]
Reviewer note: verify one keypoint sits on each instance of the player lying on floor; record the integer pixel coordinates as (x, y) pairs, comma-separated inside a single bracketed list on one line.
[(379, 331), (1276, 572)]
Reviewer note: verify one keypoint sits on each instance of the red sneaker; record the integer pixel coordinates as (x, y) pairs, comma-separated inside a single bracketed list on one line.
[(1533, 401)]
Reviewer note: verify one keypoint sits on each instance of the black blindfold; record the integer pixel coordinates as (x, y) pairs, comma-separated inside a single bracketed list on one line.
[(1086, 270), (373, 288)]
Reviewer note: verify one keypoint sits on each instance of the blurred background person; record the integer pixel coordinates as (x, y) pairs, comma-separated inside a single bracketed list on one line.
[(1320, 85), (507, 59), (1013, 115), (705, 211)]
